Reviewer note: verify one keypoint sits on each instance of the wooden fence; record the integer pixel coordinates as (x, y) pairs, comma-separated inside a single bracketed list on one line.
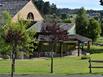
[(93, 66)]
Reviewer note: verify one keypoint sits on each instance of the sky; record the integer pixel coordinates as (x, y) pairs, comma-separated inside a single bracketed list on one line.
[(72, 4)]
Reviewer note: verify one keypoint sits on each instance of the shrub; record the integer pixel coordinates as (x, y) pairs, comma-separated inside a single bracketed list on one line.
[(85, 57), (5, 57), (95, 49), (67, 21)]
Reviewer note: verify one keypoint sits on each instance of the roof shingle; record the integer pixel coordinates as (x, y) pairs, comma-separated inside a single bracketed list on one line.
[(12, 6)]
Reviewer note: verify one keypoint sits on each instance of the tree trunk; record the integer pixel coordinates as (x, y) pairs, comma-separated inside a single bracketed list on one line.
[(13, 61), (51, 62), (52, 56)]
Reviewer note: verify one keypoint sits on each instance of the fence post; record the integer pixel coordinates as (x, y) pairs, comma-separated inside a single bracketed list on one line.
[(90, 69)]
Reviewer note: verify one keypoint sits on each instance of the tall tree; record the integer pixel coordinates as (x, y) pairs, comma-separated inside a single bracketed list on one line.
[(40, 5), (16, 36), (87, 27), (82, 22), (101, 27), (94, 29), (101, 18), (46, 8), (53, 9)]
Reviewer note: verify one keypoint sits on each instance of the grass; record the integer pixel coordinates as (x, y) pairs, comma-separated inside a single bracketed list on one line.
[(64, 66)]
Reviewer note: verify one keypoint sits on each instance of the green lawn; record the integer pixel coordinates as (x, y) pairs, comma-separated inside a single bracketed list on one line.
[(96, 49), (66, 65)]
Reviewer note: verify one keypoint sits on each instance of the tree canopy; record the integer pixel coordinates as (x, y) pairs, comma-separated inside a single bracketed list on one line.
[(15, 34), (45, 7), (87, 27), (82, 22), (94, 29)]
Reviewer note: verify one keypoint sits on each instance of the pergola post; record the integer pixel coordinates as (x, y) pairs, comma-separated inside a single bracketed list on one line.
[(78, 48), (39, 49), (88, 45), (82, 49), (61, 51)]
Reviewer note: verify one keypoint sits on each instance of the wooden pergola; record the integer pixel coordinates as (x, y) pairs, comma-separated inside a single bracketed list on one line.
[(79, 40)]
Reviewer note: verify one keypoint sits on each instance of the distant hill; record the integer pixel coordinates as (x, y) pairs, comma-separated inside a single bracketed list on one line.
[(67, 10), (74, 11)]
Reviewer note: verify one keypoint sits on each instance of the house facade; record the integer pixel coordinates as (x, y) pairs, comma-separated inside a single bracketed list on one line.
[(20, 9)]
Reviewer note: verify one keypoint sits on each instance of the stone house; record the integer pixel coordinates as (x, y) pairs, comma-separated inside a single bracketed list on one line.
[(20, 9)]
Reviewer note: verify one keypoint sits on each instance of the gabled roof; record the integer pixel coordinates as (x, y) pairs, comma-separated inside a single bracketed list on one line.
[(70, 27), (21, 9), (12, 6), (79, 38), (67, 26), (37, 27)]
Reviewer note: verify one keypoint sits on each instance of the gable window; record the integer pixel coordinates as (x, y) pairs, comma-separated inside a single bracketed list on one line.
[(30, 16)]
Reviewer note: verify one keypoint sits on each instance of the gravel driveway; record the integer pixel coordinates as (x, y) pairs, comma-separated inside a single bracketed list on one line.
[(52, 76)]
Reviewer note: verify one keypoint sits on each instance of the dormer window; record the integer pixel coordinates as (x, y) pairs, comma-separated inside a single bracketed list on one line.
[(30, 16)]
